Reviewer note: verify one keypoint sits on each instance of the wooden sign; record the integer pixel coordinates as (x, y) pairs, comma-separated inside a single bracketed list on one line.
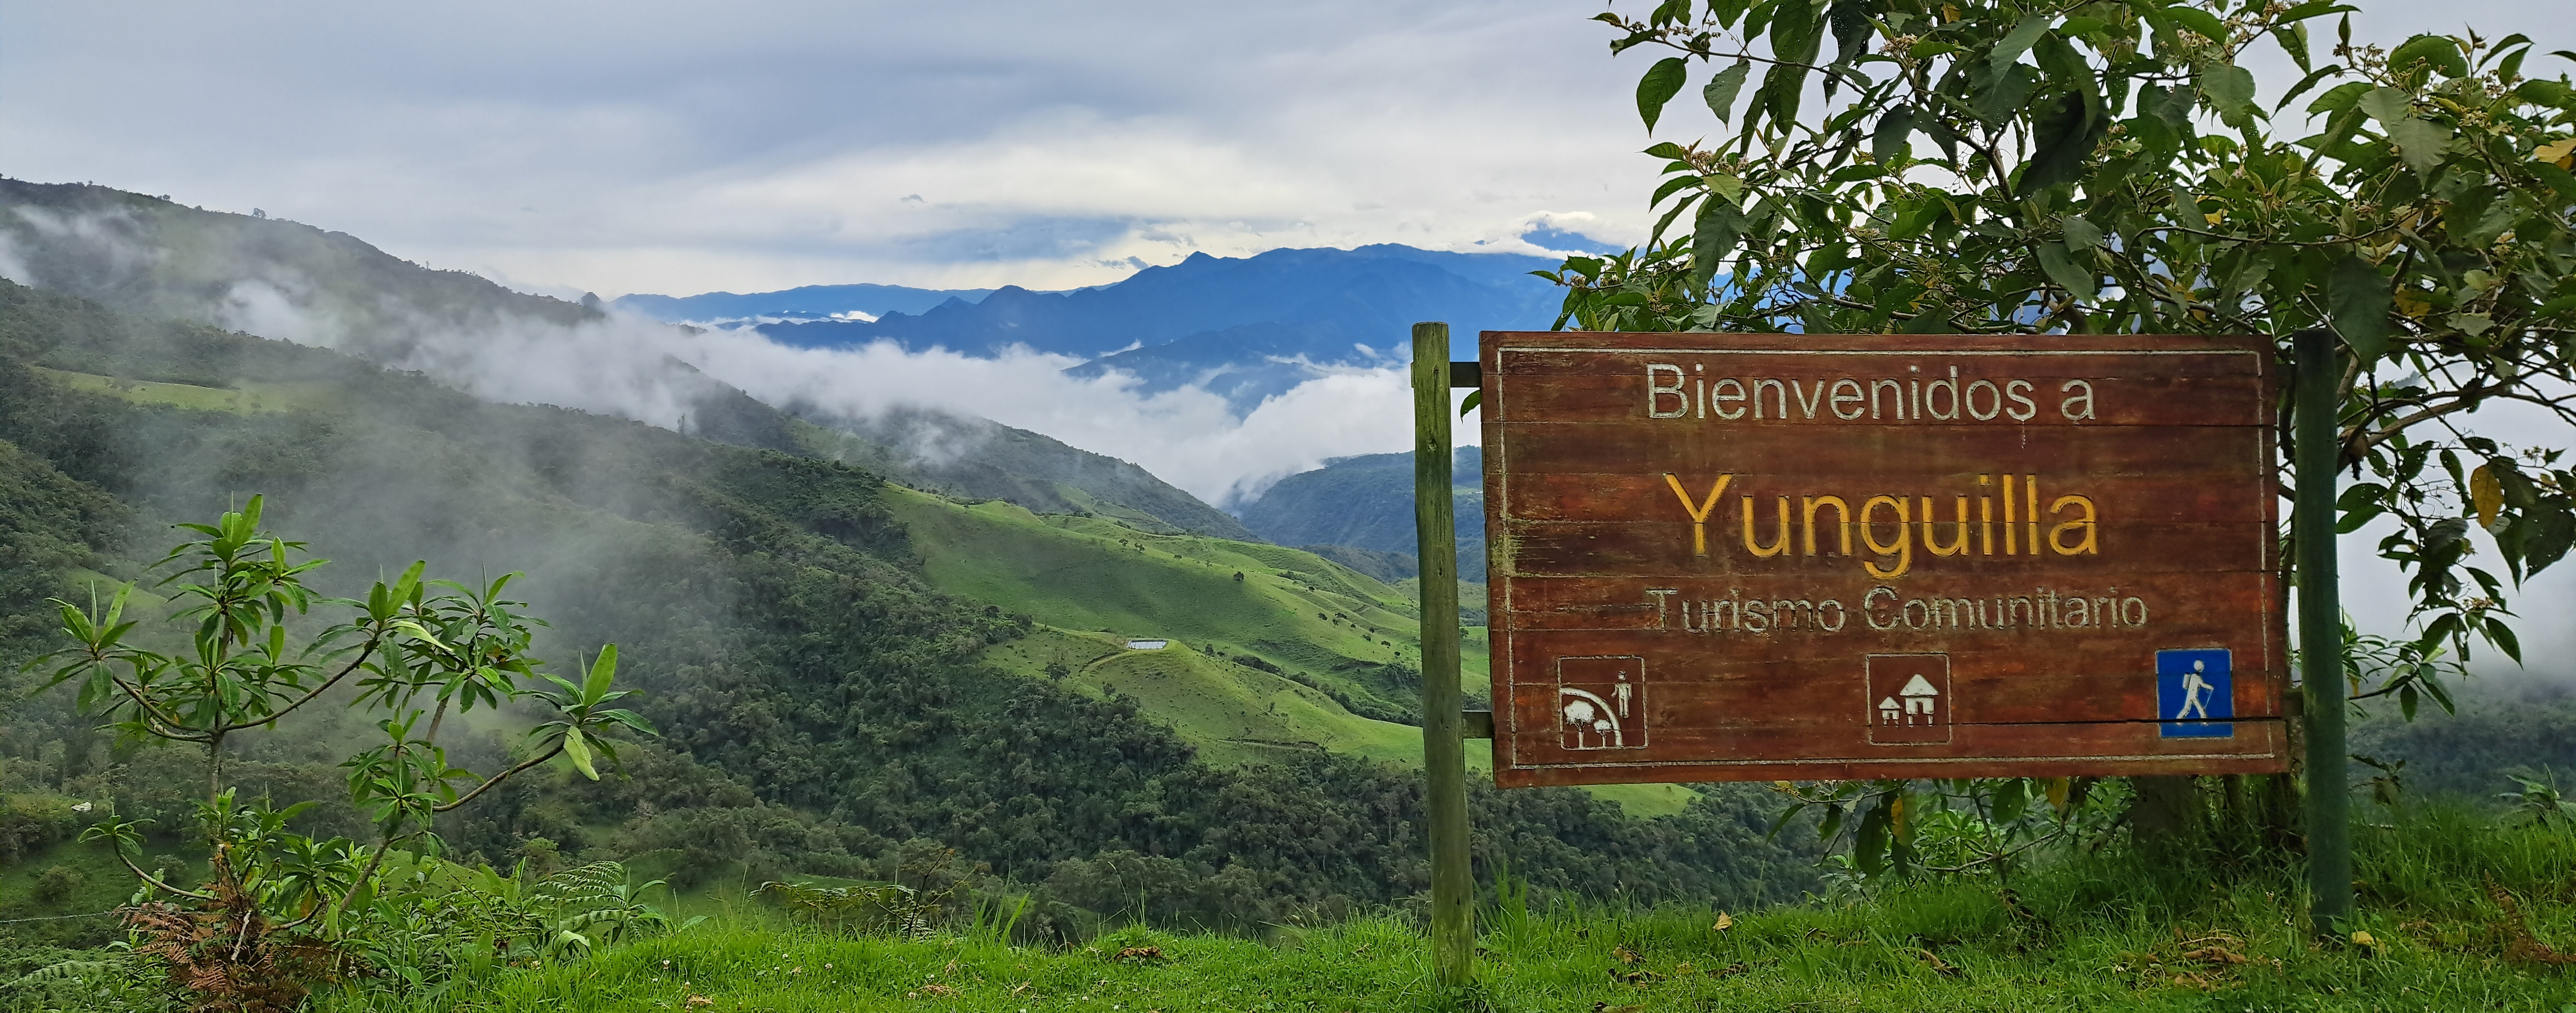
[(1776, 556)]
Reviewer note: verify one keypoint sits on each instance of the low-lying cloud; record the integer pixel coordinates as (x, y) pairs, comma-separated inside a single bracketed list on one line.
[(622, 365), (1188, 436)]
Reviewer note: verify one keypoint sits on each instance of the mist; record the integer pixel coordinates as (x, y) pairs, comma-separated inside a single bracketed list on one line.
[(622, 365), (516, 348)]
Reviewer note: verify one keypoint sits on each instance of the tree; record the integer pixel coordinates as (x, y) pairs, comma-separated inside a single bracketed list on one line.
[(410, 648), (2097, 167)]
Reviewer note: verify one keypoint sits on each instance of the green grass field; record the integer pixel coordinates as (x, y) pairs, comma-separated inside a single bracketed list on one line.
[(1231, 713), (2087, 932), (248, 397), (1094, 583), (1291, 608)]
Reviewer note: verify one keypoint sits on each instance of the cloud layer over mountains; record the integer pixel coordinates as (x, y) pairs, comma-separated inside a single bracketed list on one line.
[(290, 281)]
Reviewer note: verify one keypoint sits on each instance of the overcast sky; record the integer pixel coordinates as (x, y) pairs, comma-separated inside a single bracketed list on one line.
[(685, 147), (665, 147), (644, 146)]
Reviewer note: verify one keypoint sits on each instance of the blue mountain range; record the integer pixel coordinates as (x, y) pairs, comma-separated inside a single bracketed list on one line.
[(810, 302), (1246, 328)]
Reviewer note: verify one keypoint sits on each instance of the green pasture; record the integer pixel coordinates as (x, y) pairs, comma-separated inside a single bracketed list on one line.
[(2191, 930), (247, 397), (1094, 583)]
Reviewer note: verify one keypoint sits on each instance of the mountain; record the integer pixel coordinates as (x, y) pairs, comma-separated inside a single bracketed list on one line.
[(1246, 328), (282, 279), (1379, 290), (1366, 503), (809, 302), (841, 669), (978, 458)]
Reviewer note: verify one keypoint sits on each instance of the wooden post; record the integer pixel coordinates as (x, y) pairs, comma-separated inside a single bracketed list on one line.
[(2321, 628), (1444, 754)]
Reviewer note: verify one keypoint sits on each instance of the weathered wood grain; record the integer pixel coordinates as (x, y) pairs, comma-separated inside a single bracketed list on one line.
[(1640, 632)]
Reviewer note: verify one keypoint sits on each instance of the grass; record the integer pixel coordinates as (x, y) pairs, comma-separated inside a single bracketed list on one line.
[(2088, 933), (1230, 712), (248, 397), (1293, 609), (1093, 583), (27, 917)]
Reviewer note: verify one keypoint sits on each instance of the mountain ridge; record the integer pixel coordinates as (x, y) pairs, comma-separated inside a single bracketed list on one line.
[(291, 281)]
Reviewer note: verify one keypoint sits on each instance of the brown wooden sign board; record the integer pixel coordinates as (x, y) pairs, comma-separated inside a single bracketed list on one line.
[(1776, 556)]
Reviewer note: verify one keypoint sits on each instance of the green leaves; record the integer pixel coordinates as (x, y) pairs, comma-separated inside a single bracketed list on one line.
[(1722, 88), (2198, 22), (2018, 41), (2359, 296), (2081, 234), (1891, 139), (2230, 90), (1658, 87), (595, 688), (578, 750), (2436, 52), (2065, 132), (2062, 269), (2424, 225), (2419, 141)]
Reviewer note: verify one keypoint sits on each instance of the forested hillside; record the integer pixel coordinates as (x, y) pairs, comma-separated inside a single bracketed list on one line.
[(281, 279), (822, 703), (1366, 502)]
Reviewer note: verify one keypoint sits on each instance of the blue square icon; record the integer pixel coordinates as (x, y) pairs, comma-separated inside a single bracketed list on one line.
[(2195, 693)]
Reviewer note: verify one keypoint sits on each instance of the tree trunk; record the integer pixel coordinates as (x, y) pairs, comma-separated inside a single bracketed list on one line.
[(214, 767), (2167, 812)]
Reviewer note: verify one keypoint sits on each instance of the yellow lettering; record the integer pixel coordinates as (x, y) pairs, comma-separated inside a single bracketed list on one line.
[(1986, 515), (2084, 525), (1842, 517), (1699, 513), (1902, 549), (2010, 546), (2030, 515), (1958, 546), (1777, 546)]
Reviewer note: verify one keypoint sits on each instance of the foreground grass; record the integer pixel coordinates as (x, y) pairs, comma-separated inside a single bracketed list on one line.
[(2090, 933)]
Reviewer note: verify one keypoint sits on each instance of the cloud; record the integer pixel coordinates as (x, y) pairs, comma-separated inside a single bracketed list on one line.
[(674, 147), (632, 366), (1188, 436), (680, 148)]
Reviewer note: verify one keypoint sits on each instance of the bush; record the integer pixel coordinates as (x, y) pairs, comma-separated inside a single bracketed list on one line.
[(32, 823), (57, 884)]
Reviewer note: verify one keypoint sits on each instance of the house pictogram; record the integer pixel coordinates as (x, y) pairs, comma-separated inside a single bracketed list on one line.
[(1921, 700), (1910, 694)]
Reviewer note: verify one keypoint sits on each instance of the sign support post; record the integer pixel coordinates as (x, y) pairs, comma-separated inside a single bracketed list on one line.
[(2321, 628), (1444, 756)]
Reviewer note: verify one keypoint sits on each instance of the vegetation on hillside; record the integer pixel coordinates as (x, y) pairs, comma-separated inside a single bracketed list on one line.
[(2461, 913), (1366, 503), (826, 707)]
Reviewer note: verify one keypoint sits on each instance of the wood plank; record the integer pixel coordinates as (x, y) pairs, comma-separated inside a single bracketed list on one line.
[(1638, 636)]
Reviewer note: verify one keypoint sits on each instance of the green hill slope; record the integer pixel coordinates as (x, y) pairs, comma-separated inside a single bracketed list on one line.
[(1300, 654), (1233, 713), (1314, 620), (161, 260), (1366, 503), (825, 654)]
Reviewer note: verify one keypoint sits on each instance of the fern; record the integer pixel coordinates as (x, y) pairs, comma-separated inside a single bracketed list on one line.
[(63, 971)]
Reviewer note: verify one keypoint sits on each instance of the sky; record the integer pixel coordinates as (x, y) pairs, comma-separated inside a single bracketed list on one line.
[(680, 148), (645, 146), (654, 146)]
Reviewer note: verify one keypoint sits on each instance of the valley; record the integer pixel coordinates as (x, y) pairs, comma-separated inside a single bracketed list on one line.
[(852, 652)]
